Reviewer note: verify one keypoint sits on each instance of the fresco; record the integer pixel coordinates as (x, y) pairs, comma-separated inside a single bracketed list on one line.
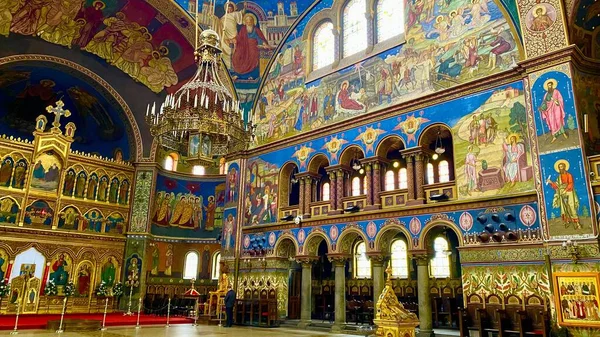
[(61, 267), (9, 210), (496, 126), (525, 230), (587, 95), (39, 213), (190, 208), (585, 27), (250, 32), (483, 124), (564, 186), (506, 280), (260, 201), (232, 185), (448, 44), (70, 218), (129, 34), (84, 278), (26, 89), (46, 173)]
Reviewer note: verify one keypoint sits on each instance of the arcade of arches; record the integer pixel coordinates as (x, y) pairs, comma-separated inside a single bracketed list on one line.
[(455, 144)]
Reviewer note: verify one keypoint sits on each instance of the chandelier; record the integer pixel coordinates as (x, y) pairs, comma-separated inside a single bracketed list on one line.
[(202, 120)]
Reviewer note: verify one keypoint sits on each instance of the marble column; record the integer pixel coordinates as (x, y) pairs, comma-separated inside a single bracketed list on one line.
[(339, 193), (340, 294), (420, 177), (425, 310), (410, 177), (332, 190), (306, 295), (308, 184), (377, 265), (377, 185), (301, 197), (369, 178)]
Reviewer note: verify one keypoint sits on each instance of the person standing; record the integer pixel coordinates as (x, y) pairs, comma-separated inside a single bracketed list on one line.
[(229, 303)]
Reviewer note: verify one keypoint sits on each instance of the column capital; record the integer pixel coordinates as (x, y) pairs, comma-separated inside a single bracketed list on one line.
[(422, 259), (378, 258), (338, 259), (306, 261), (308, 176), (338, 168)]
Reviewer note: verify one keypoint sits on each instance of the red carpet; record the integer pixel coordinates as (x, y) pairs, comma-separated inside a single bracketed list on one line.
[(7, 322)]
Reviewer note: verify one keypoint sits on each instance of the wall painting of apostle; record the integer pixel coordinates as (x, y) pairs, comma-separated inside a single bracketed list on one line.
[(577, 298), (70, 218), (9, 210), (46, 173)]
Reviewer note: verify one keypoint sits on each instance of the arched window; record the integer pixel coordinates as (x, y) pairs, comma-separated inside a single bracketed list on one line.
[(216, 267), (171, 162), (325, 192), (364, 186), (190, 265), (356, 186), (354, 27), (198, 170), (440, 263), (444, 171), (390, 19), (389, 181), (399, 259), (430, 177), (362, 264), (323, 51), (403, 178)]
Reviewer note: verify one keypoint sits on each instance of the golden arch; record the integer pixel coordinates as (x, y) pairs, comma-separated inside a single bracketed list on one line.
[(311, 244), (385, 143), (439, 223), (316, 161), (391, 229), (349, 153), (347, 238), (431, 126), (283, 238)]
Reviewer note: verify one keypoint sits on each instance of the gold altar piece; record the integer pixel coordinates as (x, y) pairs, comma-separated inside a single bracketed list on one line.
[(217, 298), (391, 319)]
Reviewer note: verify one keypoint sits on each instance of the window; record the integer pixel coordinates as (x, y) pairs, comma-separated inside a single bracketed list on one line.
[(323, 51), (190, 266), (356, 186), (171, 162), (403, 178), (216, 267), (444, 171), (389, 181), (355, 27), (430, 177), (365, 186), (399, 259), (362, 264), (325, 192), (440, 263), (390, 19), (198, 170)]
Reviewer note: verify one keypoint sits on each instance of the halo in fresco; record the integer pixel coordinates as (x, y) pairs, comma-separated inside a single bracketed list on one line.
[(246, 241), (527, 215), (301, 236), (371, 229), (466, 221), (272, 239), (415, 225), (333, 233)]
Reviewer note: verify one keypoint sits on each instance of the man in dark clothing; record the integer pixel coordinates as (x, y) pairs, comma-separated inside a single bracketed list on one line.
[(229, 303)]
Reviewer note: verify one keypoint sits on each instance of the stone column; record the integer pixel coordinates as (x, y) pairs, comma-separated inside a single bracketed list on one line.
[(301, 196), (332, 191), (369, 178), (308, 183), (420, 177), (306, 295), (410, 177), (377, 185), (340, 293), (377, 265), (339, 193), (425, 310)]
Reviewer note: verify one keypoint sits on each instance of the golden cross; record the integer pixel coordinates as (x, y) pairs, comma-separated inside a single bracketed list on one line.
[(58, 111)]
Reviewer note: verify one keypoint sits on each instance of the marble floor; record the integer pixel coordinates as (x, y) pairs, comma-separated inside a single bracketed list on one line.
[(179, 331)]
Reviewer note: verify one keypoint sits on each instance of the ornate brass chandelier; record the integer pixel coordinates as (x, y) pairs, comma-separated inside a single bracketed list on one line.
[(202, 120)]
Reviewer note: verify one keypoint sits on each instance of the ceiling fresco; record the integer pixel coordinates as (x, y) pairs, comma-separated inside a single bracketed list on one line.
[(27, 88), (131, 35), (585, 27)]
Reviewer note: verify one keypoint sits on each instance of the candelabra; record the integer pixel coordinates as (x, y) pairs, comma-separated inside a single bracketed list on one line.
[(132, 282), (572, 248)]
